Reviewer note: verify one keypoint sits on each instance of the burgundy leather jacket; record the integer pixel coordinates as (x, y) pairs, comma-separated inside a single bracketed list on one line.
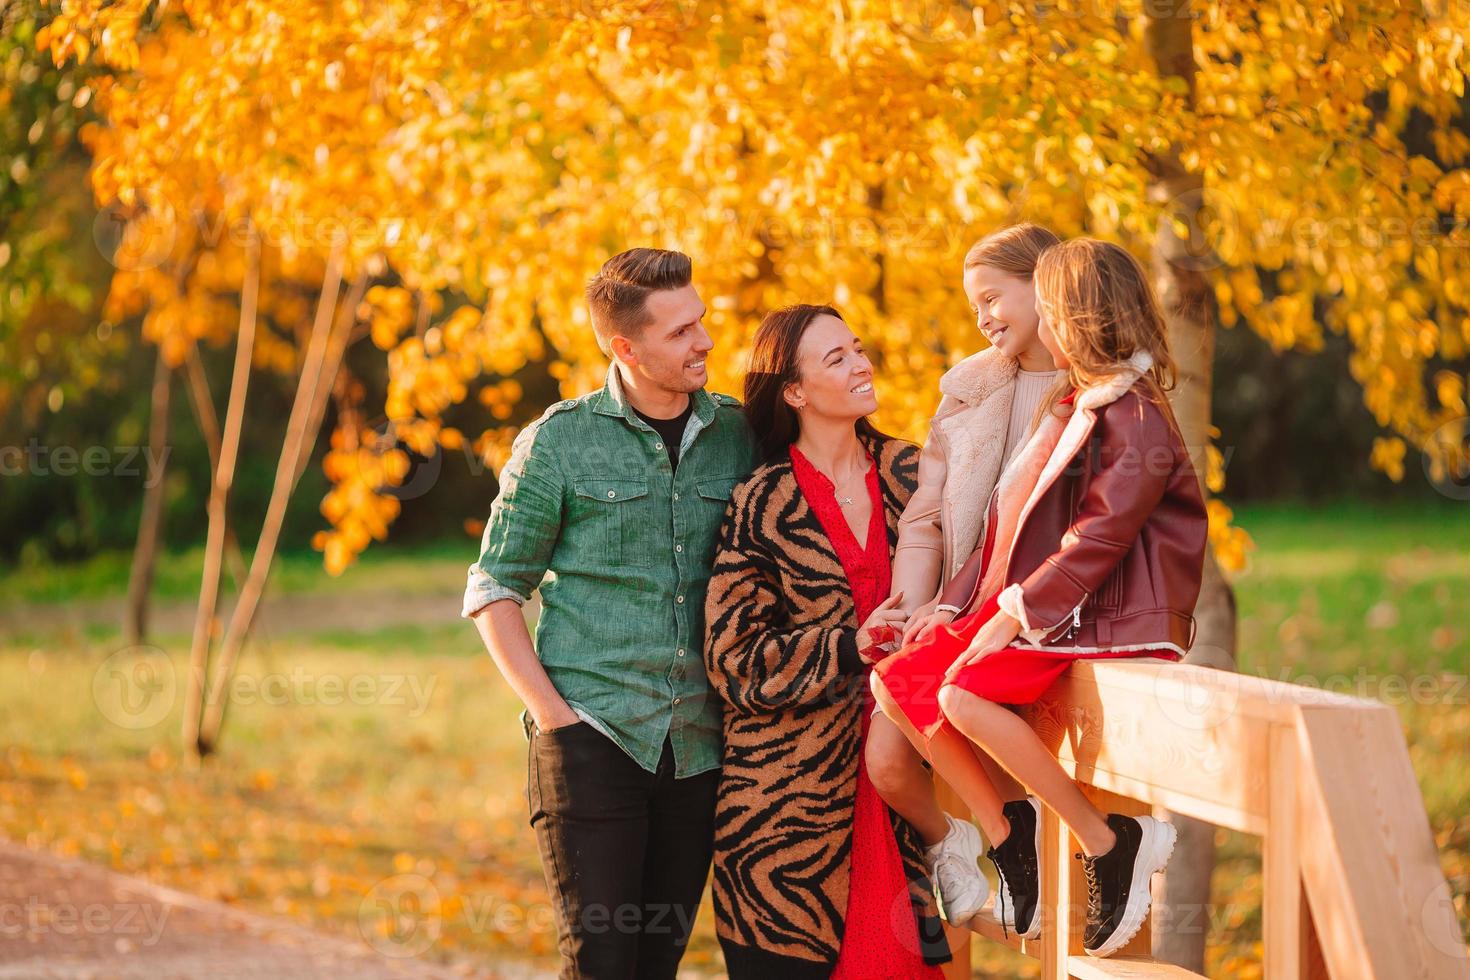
[(1110, 554)]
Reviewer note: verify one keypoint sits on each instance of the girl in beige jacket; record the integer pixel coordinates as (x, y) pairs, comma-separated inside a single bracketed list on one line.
[(984, 418)]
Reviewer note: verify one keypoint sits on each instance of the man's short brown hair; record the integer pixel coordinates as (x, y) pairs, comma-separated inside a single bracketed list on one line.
[(618, 295)]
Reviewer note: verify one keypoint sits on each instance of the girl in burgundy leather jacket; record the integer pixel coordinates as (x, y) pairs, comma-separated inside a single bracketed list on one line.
[(1094, 548)]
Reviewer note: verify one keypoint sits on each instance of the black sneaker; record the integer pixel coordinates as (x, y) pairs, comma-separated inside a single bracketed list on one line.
[(1017, 866), (1118, 881)]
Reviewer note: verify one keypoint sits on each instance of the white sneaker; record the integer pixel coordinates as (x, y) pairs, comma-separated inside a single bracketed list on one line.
[(955, 862)]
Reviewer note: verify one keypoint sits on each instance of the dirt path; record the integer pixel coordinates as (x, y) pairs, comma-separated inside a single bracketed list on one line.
[(70, 920)]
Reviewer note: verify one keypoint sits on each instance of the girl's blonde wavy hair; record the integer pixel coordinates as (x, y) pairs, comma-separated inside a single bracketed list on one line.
[(1101, 309)]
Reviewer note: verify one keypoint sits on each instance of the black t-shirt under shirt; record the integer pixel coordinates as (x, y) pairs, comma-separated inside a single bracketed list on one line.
[(671, 431)]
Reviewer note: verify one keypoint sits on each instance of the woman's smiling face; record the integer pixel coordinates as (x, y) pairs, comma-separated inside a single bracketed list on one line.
[(836, 375), (1004, 308)]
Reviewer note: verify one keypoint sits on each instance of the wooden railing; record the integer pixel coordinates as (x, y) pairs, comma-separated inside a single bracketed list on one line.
[(1352, 886)]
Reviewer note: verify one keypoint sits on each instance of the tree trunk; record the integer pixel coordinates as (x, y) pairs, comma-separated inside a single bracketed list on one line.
[(1181, 276), (203, 405), (219, 492), (150, 522), (323, 359), (336, 351)]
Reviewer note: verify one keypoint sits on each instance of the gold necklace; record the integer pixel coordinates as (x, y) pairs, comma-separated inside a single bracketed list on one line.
[(843, 501)]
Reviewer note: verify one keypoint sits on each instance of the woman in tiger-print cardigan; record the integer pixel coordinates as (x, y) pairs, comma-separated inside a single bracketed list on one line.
[(781, 651)]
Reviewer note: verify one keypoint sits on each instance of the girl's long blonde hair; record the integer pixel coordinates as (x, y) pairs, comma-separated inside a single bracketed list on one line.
[(1101, 309)]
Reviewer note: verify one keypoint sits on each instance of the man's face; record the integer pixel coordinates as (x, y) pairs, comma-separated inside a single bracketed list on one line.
[(671, 350)]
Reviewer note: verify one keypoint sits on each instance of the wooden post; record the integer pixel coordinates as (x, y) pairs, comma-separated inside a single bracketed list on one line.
[(958, 936), (1284, 915)]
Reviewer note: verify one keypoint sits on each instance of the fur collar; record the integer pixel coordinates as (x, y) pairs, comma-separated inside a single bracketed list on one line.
[(979, 376), (1116, 384)]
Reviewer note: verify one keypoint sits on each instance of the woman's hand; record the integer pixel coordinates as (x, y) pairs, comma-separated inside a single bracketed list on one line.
[(924, 623), (882, 625), (996, 634)]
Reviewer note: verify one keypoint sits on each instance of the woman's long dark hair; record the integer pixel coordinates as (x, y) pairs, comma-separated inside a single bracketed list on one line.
[(773, 366)]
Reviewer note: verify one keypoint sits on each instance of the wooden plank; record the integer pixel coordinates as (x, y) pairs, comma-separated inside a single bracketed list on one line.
[(1283, 914), (1199, 749), (1314, 965), (1129, 967), (987, 923), (1272, 700), (1378, 898)]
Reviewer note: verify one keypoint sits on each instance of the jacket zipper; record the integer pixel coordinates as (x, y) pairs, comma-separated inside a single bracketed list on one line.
[(1076, 623)]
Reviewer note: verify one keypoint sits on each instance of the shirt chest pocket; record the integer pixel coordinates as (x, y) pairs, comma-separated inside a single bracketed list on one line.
[(717, 492), (618, 521), (712, 499)]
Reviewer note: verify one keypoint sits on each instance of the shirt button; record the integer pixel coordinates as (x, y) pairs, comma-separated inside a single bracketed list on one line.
[(658, 445), (681, 653), (679, 548), (676, 700), (679, 600), (612, 493), (676, 496)]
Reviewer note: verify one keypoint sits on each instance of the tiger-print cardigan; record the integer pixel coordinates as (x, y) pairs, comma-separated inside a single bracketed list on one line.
[(780, 653)]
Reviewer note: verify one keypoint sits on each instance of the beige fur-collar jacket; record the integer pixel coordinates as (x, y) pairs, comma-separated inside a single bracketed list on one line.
[(945, 518)]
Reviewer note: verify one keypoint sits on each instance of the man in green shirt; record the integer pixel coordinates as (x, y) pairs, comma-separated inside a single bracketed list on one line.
[(611, 505)]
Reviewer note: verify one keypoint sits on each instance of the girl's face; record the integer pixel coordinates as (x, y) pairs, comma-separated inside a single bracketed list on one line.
[(1004, 308), (836, 375), (1048, 337)]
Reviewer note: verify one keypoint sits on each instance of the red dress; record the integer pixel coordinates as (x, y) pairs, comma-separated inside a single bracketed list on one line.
[(878, 942), (1013, 675)]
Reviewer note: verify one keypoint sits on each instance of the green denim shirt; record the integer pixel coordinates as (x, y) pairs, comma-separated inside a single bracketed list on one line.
[(620, 545)]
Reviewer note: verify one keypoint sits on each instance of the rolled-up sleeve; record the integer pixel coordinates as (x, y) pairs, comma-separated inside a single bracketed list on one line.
[(525, 522)]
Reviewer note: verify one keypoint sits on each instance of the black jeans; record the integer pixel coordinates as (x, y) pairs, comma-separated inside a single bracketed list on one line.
[(626, 852)]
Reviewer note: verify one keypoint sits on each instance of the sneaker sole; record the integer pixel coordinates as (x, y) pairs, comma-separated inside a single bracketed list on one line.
[(1154, 852), (1010, 919)]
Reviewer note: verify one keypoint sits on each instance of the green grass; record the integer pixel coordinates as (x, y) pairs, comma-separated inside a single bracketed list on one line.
[(317, 806), (418, 570)]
